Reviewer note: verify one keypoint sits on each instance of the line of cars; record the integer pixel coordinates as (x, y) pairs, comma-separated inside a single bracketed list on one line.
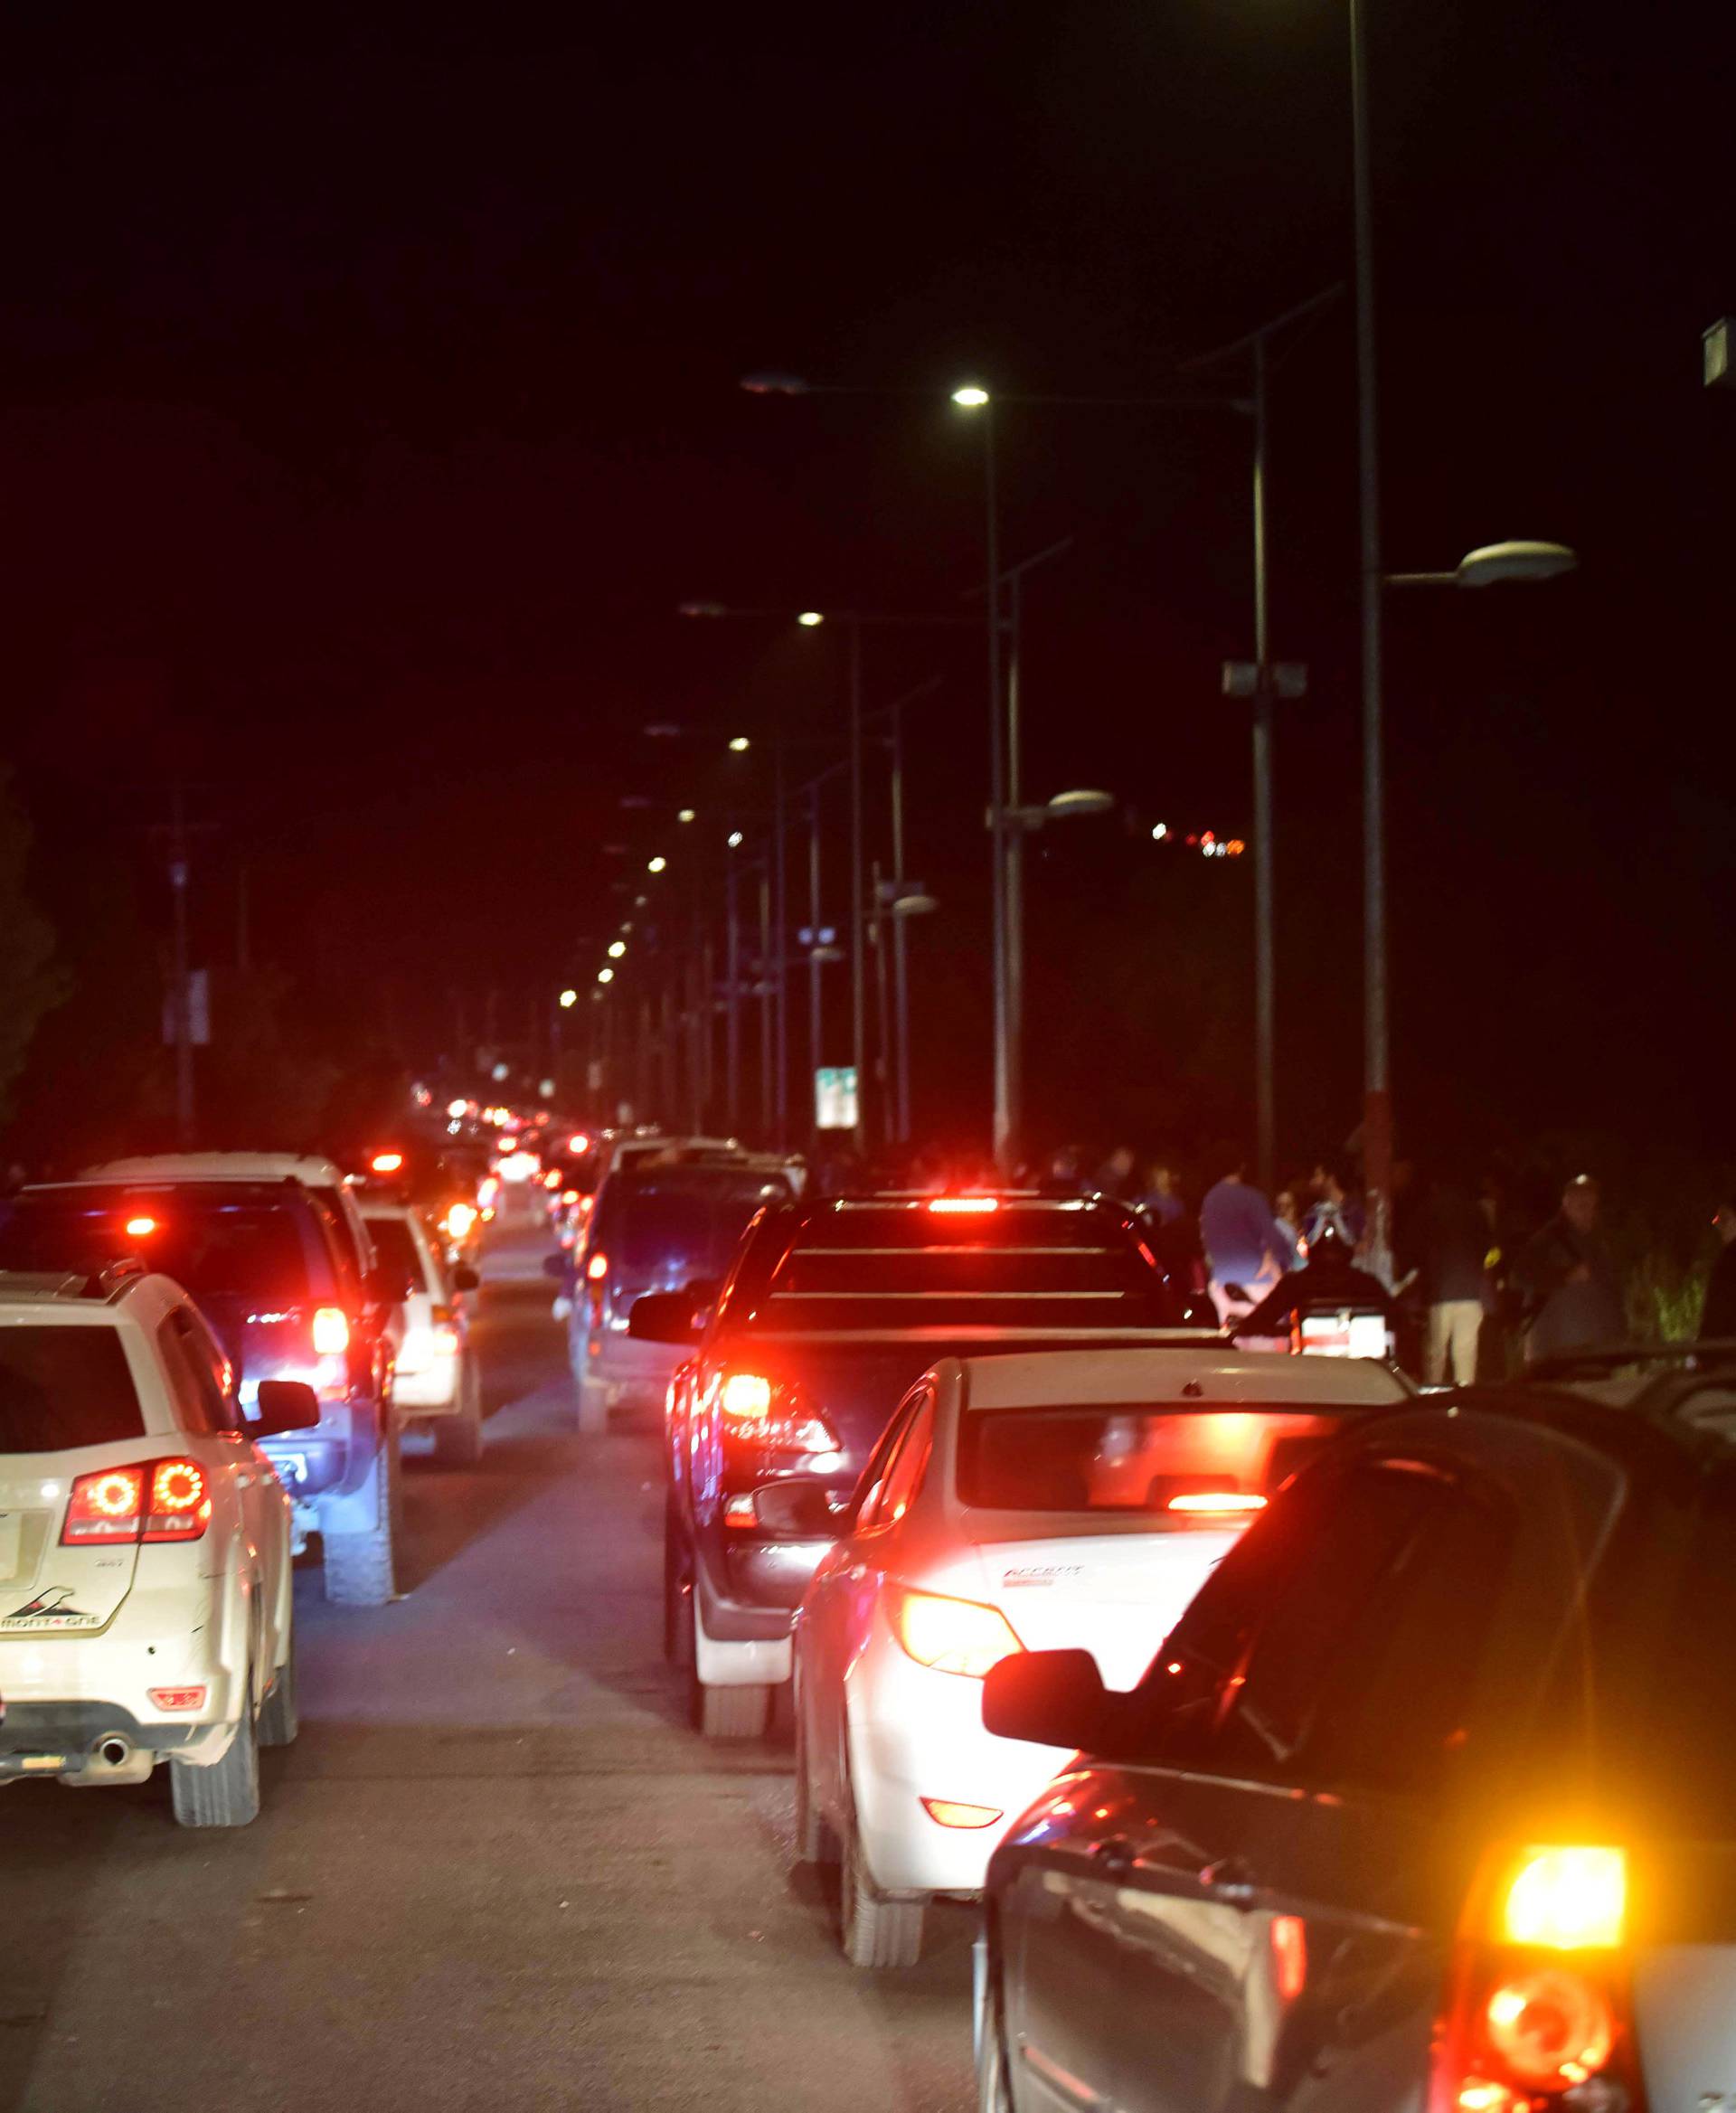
[(206, 1361), (1309, 1742)]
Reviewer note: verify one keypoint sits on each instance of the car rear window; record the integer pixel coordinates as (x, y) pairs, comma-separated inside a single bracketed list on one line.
[(1182, 1466), (395, 1245), (1009, 1255), (214, 1246), (672, 1232), (64, 1387)]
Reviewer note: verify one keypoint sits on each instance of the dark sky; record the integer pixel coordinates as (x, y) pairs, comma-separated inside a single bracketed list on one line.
[(369, 405)]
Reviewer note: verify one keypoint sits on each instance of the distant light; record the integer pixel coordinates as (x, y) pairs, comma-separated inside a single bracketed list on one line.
[(385, 1163), (616, 948), (456, 1108), (1235, 848), (1159, 830), (605, 976), (735, 840), (740, 744), (579, 1142), (810, 618), (656, 865), (501, 1071), (693, 609), (970, 397), (687, 815), (569, 998)]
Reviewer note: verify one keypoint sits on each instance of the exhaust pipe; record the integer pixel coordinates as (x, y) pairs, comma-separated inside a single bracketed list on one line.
[(114, 1749)]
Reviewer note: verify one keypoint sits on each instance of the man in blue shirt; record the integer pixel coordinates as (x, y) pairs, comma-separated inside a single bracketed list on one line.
[(1244, 1251)]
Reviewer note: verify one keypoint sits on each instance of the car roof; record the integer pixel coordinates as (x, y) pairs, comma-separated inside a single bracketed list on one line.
[(1211, 1374), (202, 1189), (309, 1168), (67, 1298)]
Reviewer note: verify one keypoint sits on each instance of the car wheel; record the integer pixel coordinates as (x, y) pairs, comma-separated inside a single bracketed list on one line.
[(360, 1569), (876, 1932), (814, 1840), (677, 1590), (226, 1795), (994, 2092), (722, 1712), (457, 1440), (281, 1712), (593, 1405)]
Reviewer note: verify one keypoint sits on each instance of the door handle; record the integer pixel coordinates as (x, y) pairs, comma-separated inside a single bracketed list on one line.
[(1232, 1881), (1115, 1855)]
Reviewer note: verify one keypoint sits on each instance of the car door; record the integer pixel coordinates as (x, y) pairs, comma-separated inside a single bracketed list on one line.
[(840, 1602)]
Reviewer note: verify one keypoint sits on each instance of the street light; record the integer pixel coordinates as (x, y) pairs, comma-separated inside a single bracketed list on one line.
[(569, 998), (656, 865), (687, 815), (616, 948), (605, 976), (735, 840), (740, 744), (811, 620), (1497, 561)]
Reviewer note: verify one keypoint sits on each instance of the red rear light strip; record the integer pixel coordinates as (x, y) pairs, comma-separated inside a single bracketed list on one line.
[(106, 1507)]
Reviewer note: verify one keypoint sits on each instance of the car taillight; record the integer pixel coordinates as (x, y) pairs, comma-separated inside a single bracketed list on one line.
[(165, 1500), (331, 1331), (952, 1635), (445, 1332), (386, 1163), (177, 1698), (1539, 2004), (947, 1813), (597, 1269), (1217, 1503), (180, 1502), (761, 1412), (459, 1218), (105, 1506), (964, 1206)]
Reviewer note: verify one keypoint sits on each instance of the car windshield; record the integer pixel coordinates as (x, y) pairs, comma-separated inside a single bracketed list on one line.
[(1185, 1466), (672, 1232), (215, 1246), (64, 1387)]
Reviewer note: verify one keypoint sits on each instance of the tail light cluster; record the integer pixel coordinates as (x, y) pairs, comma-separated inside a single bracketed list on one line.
[(771, 1414), (331, 1331), (1539, 2006), (161, 1500), (952, 1635)]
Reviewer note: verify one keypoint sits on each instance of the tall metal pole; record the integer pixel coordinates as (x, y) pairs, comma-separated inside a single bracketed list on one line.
[(1377, 1102), (901, 958), (1265, 984), (181, 1010), (781, 971), (1013, 931), (883, 1017), (733, 1005), (768, 1016), (1003, 1123), (815, 1019), (858, 988)]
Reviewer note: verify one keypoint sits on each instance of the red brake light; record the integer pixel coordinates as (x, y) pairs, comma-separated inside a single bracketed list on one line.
[(963, 1206), (597, 1269), (140, 1228), (747, 1397), (104, 1506), (177, 1698), (331, 1331), (1213, 1502), (386, 1162), (180, 1502), (759, 1412)]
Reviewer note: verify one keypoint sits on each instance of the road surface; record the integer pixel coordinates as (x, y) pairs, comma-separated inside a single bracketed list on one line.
[(497, 1870)]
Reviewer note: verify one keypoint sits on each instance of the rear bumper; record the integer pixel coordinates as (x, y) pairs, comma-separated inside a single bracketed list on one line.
[(916, 1734), (64, 1738), (432, 1391)]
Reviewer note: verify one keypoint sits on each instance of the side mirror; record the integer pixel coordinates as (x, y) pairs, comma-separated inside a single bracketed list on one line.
[(555, 1265), (1052, 1698), (797, 1508), (664, 1316), (465, 1279), (285, 1405), (386, 1287)]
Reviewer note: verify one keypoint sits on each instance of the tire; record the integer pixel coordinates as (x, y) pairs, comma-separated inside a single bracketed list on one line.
[(457, 1440), (722, 1712), (677, 1590), (994, 2093), (281, 1712), (875, 1933), (227, 1796), (360, 1569), (814, 1840)]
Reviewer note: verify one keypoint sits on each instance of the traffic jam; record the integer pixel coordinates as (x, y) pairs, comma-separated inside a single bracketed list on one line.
[(1228, 1721)]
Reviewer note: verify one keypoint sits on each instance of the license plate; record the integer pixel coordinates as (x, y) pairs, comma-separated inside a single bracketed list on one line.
[(11, 1543)]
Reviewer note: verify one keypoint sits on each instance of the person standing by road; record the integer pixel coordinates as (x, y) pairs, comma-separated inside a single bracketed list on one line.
[(1453, 1246), (1244, 1251), (1718, 1315), (1570, 1278)]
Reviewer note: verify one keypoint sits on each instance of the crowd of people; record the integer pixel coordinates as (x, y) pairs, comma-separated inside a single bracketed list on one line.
[(1473, 1289)]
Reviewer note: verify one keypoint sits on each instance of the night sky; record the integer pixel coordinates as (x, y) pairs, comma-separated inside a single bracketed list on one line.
[(369, 405)]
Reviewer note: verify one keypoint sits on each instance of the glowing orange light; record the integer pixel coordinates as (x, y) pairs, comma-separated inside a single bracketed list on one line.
[(331, 1331), (140, 1228), (597, 1269), (747, 1397), (114, 1496), (1216, 1503), (949, 1814), (1288, 1936), (1569, 1899), (385, 1162), (952, 1635)]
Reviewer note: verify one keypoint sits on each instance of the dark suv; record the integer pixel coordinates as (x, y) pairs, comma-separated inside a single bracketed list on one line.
[(830, 1310), (275, 1273)]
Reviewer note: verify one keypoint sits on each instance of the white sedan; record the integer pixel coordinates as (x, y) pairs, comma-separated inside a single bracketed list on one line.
[(1062, 1498), (145, 1612), (435, 1375)]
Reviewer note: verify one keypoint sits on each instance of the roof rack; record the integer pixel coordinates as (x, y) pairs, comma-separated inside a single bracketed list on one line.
[(113, 1278)]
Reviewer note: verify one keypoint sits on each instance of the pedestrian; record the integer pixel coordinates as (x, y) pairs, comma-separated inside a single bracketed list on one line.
[(1115, 1177), (1336, 1203), (1328, 1280), (1452, 1248), (1718, 1315), (1244, 1251), (1287, 1215), (1572, 1288), (1160, 1201), (1061, 1178)]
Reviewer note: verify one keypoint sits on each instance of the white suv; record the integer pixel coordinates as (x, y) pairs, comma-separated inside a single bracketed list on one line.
[(435, 1376), (145, 1612)]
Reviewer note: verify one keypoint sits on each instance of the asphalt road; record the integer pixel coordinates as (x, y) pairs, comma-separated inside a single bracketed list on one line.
[(497, 1870)]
